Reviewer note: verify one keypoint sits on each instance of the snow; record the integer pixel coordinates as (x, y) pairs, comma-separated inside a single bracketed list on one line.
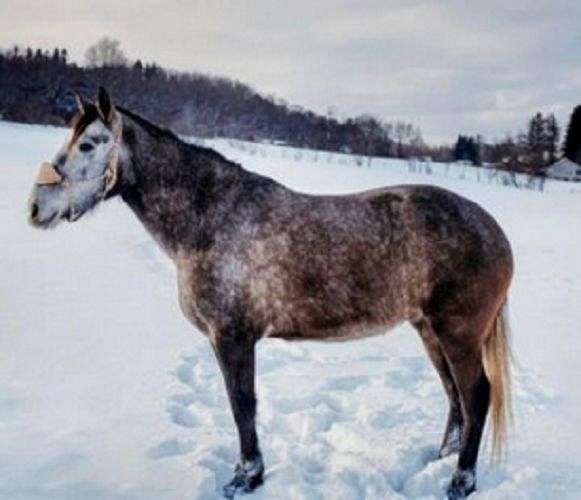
[(107, 392)]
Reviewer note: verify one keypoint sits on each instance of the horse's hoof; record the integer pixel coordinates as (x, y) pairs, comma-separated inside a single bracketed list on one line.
[(247, 477), (463, 483)]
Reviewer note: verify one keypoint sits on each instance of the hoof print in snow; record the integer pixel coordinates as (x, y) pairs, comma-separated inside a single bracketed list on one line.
[(170, 448), (184, 373), (180, 415), (247, 477)]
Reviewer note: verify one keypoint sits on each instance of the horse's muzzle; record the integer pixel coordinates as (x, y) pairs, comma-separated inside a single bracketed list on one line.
[(33, 211)]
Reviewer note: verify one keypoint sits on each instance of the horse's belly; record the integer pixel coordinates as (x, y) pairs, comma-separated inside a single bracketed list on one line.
[(339, 333)]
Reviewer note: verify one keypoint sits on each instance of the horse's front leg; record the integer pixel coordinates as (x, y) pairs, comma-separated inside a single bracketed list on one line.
[(235, 354)]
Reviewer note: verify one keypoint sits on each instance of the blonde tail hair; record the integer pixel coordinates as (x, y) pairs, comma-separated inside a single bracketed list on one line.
[(497, 357)]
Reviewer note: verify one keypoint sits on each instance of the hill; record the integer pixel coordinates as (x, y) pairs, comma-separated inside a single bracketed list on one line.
[(38, 87)]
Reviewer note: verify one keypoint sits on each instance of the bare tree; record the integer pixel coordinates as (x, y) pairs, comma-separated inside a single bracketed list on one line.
[(106, 52), (402, 132)]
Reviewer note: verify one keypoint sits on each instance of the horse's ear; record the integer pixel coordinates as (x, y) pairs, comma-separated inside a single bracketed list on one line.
[(82, 103), (104, 106)]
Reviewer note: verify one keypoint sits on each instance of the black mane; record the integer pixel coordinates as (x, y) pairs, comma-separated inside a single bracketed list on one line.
[(158, 132), (154, 130)]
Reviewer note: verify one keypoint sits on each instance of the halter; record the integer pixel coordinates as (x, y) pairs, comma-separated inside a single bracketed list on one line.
[(48, 174)]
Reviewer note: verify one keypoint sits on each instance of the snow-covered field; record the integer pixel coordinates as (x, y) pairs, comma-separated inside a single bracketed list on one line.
[(106, 392)]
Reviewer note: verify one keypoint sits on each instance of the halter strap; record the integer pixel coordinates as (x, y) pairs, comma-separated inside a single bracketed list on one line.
[(111, 173)]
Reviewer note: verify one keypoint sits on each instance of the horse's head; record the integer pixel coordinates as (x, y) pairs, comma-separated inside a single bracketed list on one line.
[(84, 171)]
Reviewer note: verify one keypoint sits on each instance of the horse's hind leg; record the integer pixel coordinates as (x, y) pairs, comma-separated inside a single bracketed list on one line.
[(451, 442), (467, 369)]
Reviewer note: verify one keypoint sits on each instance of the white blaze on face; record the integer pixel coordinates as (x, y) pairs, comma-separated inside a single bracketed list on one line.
[(89, 156)]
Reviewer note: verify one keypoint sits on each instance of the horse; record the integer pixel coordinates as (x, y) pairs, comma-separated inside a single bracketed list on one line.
[(256, 260)]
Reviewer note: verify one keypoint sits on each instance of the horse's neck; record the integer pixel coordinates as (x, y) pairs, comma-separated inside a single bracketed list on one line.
[(176, 192)]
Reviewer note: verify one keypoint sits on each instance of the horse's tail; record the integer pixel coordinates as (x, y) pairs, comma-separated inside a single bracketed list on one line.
[(497, 357)]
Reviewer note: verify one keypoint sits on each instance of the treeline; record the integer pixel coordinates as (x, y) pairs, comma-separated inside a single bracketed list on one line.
[(38, 86), (527, 152)]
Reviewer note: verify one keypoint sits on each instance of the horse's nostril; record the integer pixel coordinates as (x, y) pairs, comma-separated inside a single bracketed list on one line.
[(33, 210)]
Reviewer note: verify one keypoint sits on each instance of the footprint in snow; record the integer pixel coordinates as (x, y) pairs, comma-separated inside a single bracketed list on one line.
[(182, 416), (171, 448), (348, 383), (185, 373)]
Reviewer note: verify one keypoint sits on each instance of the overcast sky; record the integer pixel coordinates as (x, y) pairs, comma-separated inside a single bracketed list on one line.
[(447, 66)]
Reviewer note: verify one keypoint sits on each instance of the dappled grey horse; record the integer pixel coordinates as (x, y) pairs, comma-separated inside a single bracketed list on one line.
[(256, 259)]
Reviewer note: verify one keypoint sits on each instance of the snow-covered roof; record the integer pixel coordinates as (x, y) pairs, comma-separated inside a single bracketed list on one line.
[(564, 162), (564, 169)]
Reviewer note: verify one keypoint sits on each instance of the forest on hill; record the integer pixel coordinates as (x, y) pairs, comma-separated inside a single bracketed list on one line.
[(38, 86)]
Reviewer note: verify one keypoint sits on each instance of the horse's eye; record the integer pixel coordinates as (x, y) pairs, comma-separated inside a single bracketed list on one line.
[(85, 147)]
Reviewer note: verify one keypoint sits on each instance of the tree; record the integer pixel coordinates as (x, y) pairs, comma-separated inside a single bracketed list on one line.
[(138, 67), (503, 152), (478, 150), (572, 145), (106, 52), (372, 132), (552, 134), (542, 140), (460, 148), (535, 133), (468, 149), (536, 141), (402, 132)]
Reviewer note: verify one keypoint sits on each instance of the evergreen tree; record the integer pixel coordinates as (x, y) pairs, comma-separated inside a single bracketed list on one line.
[(573, 139), (552, 135), (535, 135), (460, 148), (536, 141), (478, 150), (470, 149), (467, 149)]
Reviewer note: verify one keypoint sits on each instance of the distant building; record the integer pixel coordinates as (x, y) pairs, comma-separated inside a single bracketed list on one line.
[(565, 170)]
